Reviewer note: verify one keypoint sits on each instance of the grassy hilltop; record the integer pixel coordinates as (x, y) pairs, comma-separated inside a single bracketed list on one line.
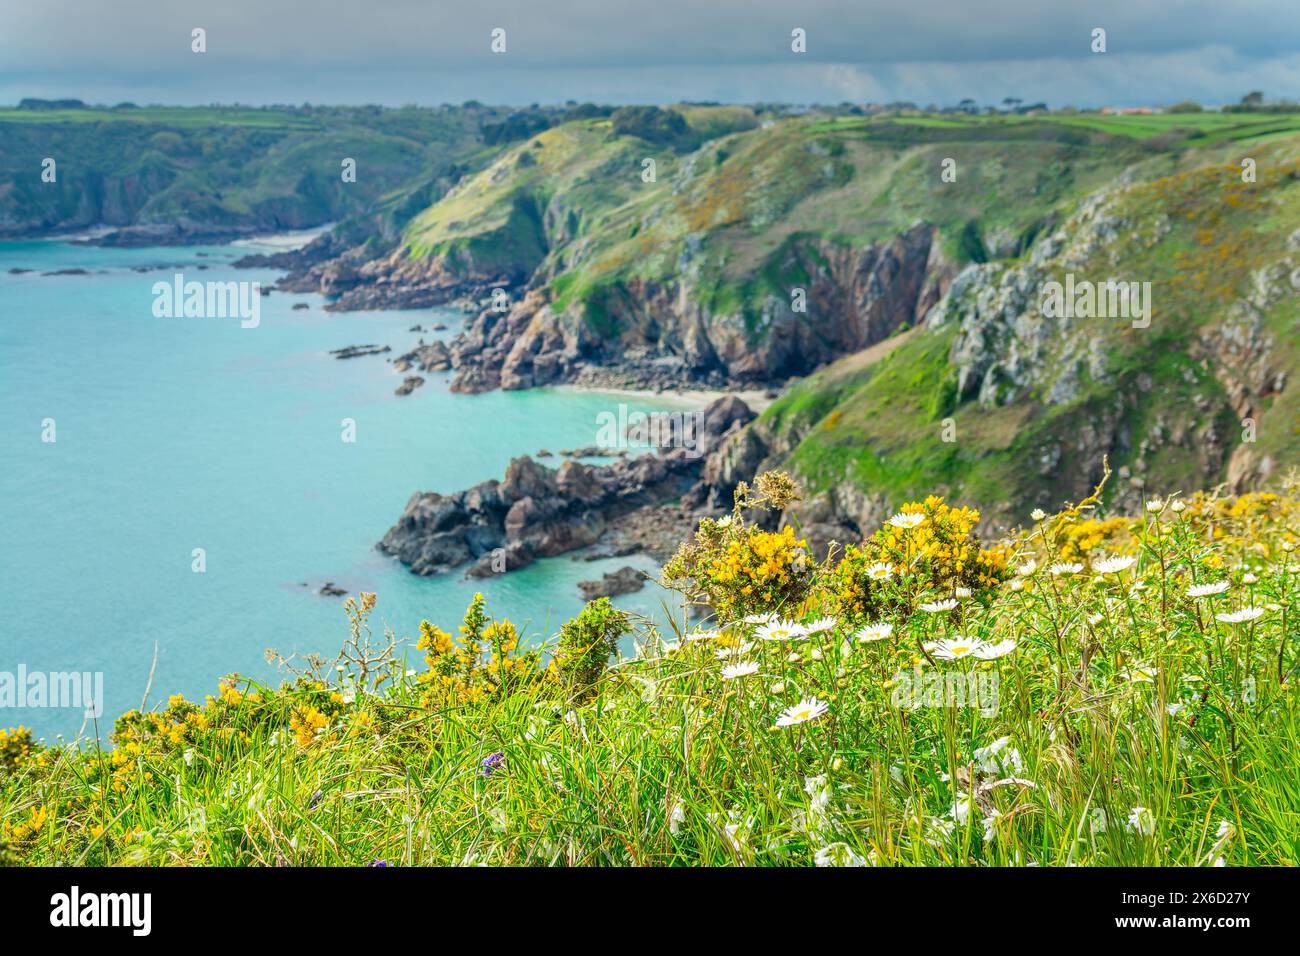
[(736, 190), (209, 169)]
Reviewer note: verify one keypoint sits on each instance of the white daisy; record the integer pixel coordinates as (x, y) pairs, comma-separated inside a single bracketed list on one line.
[(702, 635), (1154, 505), (961, 811), (820, 625), (742, 669), (1249, 578), (1141, 820), (1038, 514), (676, 817), (767, 618), (837, 854), (955, 648), (991, 825), (1064, 568), (1026, 569), (802, 712), (988, 652), (740, 650), (1207, 590), (906, 521), (998, 757), (1240, 617), (875, 632), (1113, 565), (880, 571), (938, 607), (961, 593), (782, 630)]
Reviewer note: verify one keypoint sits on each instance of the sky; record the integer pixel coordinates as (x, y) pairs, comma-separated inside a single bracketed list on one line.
[(397, 52)]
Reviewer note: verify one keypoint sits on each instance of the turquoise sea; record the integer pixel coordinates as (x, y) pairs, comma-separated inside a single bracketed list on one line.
[(174, 434)]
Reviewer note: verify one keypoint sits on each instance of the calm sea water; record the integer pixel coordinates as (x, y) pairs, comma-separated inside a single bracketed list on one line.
[(176, 434)]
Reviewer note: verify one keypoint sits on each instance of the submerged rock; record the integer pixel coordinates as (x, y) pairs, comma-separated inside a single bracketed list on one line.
[(356, 351), (623, 581), (409, 384)]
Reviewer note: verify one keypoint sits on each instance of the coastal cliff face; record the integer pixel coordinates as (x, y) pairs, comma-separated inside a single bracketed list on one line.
[(925, 361), (854, 298), (737, 253), (999, 401)]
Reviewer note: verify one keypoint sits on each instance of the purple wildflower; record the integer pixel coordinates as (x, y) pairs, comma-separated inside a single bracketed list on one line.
[(492, 762)]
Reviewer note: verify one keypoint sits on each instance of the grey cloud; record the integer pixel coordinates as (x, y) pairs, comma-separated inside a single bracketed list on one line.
[(396, 51)]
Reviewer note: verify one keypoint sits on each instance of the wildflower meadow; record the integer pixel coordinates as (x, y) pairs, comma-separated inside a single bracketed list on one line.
[(1092, 690)]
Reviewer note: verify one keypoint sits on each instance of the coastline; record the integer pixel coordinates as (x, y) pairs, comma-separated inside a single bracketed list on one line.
[(693, 398)]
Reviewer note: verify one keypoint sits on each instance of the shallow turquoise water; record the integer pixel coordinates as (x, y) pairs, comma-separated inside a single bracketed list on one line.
[(175, 434)]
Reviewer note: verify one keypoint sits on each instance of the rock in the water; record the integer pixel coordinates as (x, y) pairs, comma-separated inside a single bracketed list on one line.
[(356, 351), (409, 384), (433, 357), (537, 511), (623, 581)]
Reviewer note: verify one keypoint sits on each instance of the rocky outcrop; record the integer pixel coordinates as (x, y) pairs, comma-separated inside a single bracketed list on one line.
[(855, 297), (541, 512), (1243, 354), (409, 384), (623, 581), (432, 357), (400, 280), (358, 351)]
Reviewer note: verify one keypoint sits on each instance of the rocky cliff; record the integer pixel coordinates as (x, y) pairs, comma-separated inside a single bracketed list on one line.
[(854, 297), (537, 512)]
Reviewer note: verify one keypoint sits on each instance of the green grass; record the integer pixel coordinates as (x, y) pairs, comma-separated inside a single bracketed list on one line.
[(1123, 698)]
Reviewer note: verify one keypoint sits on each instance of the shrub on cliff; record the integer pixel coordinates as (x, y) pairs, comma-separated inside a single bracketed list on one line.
[(654, 125), (586, 644)]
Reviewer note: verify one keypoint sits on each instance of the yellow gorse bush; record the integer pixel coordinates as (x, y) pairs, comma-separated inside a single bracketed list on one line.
[(903, 563), (484, 660)]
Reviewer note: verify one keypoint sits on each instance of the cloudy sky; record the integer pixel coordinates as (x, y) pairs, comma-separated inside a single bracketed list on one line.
[(618, 51)]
